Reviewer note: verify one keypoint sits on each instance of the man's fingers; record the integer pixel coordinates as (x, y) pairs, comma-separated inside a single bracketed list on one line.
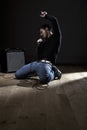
[(43, 14), (39, 40)]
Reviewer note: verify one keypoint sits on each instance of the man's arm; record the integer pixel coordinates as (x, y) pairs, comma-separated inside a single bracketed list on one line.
[(56, 28), (55, 25), (54, 22)]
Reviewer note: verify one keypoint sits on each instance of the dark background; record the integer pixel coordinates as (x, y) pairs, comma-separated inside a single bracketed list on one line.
[(20, 23)]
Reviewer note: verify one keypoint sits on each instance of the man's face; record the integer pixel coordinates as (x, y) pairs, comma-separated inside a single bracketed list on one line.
[(43, 33)]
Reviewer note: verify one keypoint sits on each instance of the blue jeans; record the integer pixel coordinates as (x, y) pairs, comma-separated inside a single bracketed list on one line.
[(42, 69)]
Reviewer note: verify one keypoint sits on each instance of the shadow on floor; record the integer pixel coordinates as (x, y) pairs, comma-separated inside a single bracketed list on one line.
[(32, 83), (29, 82)]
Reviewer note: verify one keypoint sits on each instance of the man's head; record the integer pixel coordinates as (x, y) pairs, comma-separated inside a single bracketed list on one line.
[(45, 31)]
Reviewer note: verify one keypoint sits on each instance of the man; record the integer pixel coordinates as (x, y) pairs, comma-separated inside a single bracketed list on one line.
[(48, 46), (50, 41)]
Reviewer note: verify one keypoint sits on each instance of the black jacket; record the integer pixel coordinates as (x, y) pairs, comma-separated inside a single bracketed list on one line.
[(51, 46)]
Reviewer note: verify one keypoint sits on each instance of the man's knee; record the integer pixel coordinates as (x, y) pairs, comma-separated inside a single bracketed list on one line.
[(17, 75)]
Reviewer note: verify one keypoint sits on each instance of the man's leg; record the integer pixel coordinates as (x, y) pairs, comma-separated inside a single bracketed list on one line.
[(45, 72), (24, 71)]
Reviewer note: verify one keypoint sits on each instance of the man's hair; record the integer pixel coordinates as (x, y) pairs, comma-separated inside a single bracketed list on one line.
[(44, 26)]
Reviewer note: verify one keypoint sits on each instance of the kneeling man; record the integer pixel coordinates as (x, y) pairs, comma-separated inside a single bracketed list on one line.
[(48, 46)]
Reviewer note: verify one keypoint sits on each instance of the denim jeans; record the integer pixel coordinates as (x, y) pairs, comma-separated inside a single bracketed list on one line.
[(42, 69)]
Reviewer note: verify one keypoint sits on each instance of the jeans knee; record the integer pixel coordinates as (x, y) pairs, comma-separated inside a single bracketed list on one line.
[(17, 75)]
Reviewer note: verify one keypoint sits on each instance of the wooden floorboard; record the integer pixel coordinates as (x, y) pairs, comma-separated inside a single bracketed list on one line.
[(62, 105)]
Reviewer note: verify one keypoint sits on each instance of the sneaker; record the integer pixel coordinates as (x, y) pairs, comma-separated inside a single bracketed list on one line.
[(57, 72)]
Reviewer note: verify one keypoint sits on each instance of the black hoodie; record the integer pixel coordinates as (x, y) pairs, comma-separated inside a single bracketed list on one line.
[(51, 46)]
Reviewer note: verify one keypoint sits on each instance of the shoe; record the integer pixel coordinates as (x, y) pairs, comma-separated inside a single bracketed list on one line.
[(57, 72)]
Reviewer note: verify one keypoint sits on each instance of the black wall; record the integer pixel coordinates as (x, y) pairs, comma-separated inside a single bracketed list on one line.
[(20, 22)]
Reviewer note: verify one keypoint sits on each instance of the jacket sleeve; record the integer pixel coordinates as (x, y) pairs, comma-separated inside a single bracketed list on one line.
[(56, 28), (55, 24)]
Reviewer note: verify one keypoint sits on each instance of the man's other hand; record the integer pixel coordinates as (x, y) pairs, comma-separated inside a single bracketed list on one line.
[(39, 40)]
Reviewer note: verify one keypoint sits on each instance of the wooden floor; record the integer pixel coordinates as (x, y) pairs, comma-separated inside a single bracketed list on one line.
[(62, 105)]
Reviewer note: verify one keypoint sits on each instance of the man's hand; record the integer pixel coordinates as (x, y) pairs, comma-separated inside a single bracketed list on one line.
[(43, 14), (39, 41)]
